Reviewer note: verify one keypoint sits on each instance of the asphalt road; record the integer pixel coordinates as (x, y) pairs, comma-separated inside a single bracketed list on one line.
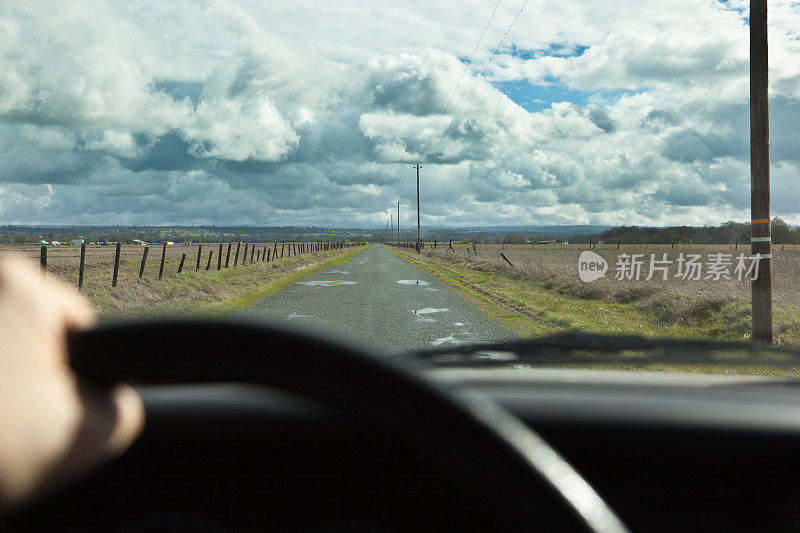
[(380, 301)]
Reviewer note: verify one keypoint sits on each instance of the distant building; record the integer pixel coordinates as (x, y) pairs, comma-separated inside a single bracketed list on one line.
[(169, 243), (76, 242), (44, 243), (137, 242)]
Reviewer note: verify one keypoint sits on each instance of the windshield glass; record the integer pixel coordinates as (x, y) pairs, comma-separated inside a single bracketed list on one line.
[(415, 176)]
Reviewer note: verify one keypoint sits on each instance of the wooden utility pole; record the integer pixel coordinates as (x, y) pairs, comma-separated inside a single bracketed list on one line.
[(391, 223), (759, 173), (418, 232)]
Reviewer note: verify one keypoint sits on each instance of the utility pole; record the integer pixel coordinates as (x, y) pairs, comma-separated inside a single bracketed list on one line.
[(418, 232), (391, 225), (760, 233), (398, 223)]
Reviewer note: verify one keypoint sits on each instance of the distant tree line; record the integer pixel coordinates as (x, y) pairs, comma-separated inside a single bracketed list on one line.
[(727, 233)]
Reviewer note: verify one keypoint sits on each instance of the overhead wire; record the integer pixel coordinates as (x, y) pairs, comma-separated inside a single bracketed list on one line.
[(478, 78), (463, 72)]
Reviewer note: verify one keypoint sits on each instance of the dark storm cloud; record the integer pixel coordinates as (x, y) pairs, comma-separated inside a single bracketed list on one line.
[(688, 146)]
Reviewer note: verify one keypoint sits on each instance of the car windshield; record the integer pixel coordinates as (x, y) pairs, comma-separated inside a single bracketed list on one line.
[(418, 176)]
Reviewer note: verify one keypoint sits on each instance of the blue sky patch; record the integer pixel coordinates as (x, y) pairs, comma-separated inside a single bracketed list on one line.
[(536, 98)]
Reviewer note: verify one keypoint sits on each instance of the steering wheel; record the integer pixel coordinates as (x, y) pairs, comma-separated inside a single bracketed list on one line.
[(511, 470)]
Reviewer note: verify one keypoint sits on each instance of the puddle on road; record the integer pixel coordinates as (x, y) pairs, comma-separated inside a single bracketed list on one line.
[(442, 340), (412, 282), (429, 310), (327, 282)]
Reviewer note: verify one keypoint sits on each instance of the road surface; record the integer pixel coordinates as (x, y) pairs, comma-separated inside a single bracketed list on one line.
[(379, 301)]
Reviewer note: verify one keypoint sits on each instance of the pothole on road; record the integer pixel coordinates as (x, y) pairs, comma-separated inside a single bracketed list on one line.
[(412, 282), (429, 310)]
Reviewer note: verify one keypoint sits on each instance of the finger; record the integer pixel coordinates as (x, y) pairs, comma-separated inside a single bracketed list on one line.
[(112, 419), (129, 421)]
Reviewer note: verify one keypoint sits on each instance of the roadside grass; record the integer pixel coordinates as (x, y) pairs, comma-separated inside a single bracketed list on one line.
[(532, 308), (193, 294)]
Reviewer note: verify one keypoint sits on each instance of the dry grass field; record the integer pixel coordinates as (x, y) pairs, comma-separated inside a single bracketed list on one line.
[(675, 306), (558, 264)]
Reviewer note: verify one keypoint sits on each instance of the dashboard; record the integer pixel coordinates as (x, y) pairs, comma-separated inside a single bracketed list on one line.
[(668, 452)]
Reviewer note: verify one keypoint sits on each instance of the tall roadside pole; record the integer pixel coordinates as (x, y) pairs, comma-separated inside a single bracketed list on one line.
[(398, 223), (418, 233), (760, 242), (391, 223)]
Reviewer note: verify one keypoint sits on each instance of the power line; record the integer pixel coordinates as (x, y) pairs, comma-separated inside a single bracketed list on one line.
[(463, 72), (478, 78)]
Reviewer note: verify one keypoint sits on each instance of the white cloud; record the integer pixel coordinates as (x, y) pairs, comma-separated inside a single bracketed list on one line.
[(307, 112)]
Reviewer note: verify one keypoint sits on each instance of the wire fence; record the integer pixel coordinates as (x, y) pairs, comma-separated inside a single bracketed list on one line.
[(158, 260)]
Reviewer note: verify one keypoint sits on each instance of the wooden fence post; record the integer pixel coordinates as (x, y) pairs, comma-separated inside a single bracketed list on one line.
[(268, 254), (236, 258), (219, 257), (506, 258), (116, 265), (180, 266), (434, 244), (258, 256), (283, 244), (210, 255), (244, 258), (199, 251), (264, 254), (83, 264), (144, 261), (43, 260), (228, 256), (163, 255)]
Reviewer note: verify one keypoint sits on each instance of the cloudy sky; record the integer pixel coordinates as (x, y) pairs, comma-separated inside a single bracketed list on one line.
[(304, 112)]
